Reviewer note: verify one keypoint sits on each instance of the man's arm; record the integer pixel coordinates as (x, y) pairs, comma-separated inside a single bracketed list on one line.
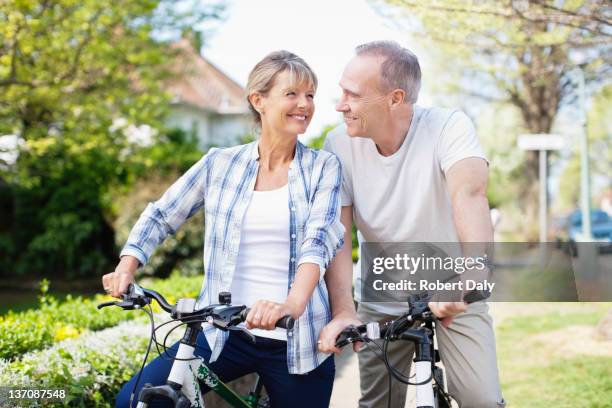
[(339, 281), (467, 185)]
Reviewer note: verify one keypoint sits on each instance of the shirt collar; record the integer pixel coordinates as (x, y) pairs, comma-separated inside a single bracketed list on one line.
[(299, 151)]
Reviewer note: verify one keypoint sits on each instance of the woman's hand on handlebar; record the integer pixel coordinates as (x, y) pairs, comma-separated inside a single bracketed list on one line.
[(264, 314), (330, 333), (116, 283)]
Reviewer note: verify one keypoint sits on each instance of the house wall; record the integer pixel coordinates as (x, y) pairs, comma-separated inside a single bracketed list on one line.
[(211, 129), (229, 130), (191, 120)]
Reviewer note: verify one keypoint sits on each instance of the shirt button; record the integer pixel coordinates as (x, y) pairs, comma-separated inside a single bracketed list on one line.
[(292, 235), (292, 259), (292, 208)]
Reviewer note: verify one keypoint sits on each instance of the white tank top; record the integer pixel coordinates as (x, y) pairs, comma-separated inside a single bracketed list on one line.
[(262, 269)]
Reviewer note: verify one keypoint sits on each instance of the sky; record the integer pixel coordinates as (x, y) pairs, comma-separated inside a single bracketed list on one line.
[(323, 33)]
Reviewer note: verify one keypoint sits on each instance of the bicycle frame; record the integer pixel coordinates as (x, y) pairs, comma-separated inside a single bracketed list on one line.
[(188, 369), (416, 327), (182, 368), (204, 374)]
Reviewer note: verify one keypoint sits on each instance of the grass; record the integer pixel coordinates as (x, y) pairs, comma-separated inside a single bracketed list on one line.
[(535, 374)]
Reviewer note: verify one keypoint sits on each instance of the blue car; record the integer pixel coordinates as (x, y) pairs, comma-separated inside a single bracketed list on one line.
[(601, 230)]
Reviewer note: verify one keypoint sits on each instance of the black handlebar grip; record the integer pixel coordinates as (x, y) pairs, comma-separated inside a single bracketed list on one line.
[(476, 295), (286, 322)]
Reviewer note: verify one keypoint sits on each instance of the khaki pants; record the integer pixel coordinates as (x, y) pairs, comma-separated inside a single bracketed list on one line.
[(467, 349)]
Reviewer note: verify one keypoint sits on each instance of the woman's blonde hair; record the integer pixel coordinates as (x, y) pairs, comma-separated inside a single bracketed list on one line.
[(262, 76)]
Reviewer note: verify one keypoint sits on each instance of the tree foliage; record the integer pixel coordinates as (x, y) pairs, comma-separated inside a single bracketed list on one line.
[(81, 85), (518, 52)]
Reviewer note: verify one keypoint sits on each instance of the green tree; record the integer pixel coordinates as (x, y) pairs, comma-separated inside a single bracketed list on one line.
[(81, 86), (317, 142), (516, 52)]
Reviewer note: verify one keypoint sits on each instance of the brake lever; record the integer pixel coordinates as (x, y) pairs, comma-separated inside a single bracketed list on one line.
[(352, 334), (224, 325), (250, 336), (128, 305), (125, 305), (105, 304)]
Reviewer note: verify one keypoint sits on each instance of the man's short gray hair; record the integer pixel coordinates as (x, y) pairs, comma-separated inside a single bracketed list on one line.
[(400, 70)]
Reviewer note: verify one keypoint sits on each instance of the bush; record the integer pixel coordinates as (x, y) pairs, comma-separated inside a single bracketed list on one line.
[(183, 247), (53, 321), (60, 224), (39, 328), (91, 368)]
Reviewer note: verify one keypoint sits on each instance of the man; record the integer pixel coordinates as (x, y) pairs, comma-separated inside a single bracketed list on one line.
[(410, 174)]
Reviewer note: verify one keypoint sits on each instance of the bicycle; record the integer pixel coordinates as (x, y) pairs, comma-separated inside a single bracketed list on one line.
[(223, 316), (416, 326)]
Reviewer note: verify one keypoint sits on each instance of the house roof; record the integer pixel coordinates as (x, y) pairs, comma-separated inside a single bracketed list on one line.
[(197, 82)]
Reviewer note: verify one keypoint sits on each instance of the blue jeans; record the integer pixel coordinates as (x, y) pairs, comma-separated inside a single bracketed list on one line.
[(239, 357)]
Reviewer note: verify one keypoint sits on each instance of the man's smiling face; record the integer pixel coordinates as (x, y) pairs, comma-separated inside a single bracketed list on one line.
[(363, 103)]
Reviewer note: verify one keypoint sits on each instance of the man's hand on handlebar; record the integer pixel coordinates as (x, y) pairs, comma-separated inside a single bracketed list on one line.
[(446, 311)]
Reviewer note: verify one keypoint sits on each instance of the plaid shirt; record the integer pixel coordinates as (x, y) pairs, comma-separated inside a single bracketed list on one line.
[(223, 182)]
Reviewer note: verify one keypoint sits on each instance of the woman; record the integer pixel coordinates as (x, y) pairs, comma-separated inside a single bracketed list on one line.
[(272, 226)]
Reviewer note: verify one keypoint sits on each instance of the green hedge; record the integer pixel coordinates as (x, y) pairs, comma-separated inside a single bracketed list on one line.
[(91, 368), (53, 321)]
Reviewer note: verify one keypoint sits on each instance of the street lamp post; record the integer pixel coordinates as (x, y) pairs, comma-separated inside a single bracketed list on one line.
[(589, 282), (585, 183)]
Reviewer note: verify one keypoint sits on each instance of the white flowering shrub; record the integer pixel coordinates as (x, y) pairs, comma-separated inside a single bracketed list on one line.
[(91, 368)]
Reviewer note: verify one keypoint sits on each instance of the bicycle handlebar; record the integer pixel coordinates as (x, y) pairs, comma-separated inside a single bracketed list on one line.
[(418, 311), (223, 315)]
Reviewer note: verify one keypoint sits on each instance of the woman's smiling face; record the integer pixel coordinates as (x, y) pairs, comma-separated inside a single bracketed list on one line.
[(288, 106)]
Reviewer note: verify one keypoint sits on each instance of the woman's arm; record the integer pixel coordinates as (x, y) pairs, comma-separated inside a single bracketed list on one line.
[(323, 230), (323, 236), (161, 218)]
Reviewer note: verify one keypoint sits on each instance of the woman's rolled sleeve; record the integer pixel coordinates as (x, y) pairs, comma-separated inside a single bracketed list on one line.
[(163, 217), (323, 231)]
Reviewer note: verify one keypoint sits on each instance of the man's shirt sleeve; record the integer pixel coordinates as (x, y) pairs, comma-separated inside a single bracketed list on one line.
[(458, 141)]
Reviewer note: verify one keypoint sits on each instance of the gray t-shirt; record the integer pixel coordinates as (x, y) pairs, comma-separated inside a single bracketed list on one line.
[(404, 197)]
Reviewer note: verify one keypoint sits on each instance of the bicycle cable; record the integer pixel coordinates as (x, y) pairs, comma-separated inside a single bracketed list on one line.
[(165, 355), (401, 377), (441, 391), (144, 361)]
